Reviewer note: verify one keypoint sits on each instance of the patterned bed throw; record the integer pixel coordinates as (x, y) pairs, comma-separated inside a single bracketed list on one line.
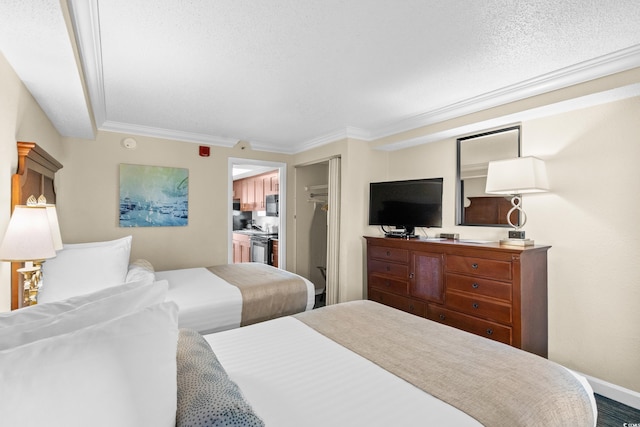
[(496, 384), (206, 395), (267, 292)]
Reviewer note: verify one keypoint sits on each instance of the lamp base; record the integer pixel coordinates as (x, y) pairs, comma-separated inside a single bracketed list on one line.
[(31, 283), (517, 242)]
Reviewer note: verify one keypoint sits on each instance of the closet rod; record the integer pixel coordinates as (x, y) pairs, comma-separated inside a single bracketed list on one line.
[(316, 187)]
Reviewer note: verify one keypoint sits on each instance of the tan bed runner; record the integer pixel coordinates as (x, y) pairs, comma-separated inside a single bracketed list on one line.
[(267, 292), (496, 384)]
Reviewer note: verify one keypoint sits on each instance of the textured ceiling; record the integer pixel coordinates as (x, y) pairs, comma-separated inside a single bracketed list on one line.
[(286, 75)]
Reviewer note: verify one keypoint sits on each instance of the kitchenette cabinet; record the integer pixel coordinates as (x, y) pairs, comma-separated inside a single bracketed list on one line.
[(252, 191), (274, 252), (241, 248)]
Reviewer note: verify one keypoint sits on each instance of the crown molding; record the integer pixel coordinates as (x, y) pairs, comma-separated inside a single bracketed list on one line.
[(602, 66), (87, 27), (155, 132), (573, 104)]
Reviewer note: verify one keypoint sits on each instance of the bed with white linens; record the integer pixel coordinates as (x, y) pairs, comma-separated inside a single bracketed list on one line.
[(208, 303), (210, 299), (116, 356)]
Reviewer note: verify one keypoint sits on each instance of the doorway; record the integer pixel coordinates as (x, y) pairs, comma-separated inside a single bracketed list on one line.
[(317, 228), (254, 215)]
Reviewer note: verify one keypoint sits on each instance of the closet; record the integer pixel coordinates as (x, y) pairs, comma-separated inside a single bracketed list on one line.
[(311, 225)]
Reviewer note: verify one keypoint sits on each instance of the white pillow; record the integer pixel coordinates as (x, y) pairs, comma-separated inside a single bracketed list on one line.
[(85, 315), (52, 309), (85, 267), (140, 270), (118, 373)]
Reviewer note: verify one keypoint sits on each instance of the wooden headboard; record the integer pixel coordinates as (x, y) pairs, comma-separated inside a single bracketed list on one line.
[(35, 175)]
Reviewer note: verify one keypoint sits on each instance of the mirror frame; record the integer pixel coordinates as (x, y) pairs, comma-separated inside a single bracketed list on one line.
[(459, 184)]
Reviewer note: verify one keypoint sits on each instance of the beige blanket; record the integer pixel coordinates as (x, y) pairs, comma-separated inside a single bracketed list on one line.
[(496, 384), (267, 292)]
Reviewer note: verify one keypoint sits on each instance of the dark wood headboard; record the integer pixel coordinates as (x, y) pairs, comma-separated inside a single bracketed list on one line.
[(35, 175)]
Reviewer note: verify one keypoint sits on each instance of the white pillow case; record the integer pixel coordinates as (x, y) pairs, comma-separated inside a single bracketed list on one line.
[(85, 267), (117, 373), (139, 270), (52, 309), (85, 315)]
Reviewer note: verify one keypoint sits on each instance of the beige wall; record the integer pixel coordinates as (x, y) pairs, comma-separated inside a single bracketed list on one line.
[(589, 219), (89, 198), (21, 119)]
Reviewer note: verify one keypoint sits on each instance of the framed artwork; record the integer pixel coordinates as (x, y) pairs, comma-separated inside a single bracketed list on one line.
[(153, 196)]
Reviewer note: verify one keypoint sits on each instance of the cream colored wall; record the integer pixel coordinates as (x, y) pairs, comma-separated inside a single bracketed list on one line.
[(21, 119), (589, 219), (89, 199)]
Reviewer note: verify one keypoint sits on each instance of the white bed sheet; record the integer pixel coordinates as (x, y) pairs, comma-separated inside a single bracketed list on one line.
[(294, 376), (208, 303)]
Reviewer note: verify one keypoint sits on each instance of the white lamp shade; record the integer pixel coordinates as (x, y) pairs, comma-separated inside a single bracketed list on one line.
[(52, 214), (28, 236), (517, 176)]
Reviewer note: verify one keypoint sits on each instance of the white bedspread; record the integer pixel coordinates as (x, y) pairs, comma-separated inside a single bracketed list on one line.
[(207, 303), (294, 376)]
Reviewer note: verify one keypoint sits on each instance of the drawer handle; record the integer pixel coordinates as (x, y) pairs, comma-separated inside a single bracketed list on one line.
[(388, 283), (475, 305), (411, 307), (489, 331), (388, 253), (442, 317), (475, 285), (411, 275), (474, 266), (388, 268)]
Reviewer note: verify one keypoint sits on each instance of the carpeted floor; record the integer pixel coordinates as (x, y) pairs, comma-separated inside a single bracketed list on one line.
[(615, 414)]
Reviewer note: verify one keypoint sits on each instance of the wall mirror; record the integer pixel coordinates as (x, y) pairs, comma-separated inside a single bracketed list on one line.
[(473, 205)]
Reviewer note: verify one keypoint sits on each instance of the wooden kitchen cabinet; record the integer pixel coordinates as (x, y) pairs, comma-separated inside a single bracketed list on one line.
[(495, 291), (252, 191), (241, 244), (274, 252)]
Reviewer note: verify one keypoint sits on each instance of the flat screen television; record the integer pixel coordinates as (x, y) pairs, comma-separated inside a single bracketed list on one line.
[(406, 204)]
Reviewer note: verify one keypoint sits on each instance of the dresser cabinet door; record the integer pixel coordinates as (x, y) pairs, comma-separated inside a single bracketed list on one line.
[(426, 280)]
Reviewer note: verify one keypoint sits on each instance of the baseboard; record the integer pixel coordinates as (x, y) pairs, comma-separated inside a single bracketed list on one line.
[(614, 392)]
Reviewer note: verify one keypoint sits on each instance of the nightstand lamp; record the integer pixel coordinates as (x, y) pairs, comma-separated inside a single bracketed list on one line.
[(516, 177), (32, 236)]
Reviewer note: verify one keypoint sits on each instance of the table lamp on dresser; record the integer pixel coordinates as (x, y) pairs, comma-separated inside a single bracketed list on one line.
[(516, 177)]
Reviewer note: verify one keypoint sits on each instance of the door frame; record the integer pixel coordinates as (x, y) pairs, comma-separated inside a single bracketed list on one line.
[(282, 216)]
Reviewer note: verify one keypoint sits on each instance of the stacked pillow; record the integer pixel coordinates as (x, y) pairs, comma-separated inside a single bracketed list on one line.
[(85, 267), (103, 359)]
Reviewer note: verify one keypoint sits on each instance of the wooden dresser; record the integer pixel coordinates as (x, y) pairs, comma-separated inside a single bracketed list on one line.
[(495, 291)]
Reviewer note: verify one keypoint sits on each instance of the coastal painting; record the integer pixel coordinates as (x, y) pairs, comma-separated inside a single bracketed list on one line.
[(153, 196)]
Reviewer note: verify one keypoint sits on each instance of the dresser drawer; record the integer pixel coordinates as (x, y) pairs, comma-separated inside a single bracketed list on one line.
[(478, 286), (388, 284), (470, 324), (401, 303), (478, 306), (389, 268), (483, 267), (389, 254)]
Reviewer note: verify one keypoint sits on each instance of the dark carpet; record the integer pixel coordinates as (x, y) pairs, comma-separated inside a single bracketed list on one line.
[(615, 414)]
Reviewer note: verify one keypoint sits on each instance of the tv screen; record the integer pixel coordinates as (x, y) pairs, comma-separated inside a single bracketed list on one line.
[(407, 204)]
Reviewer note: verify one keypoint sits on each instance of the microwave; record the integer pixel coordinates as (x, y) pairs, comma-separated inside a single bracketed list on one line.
[(272, 204)]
